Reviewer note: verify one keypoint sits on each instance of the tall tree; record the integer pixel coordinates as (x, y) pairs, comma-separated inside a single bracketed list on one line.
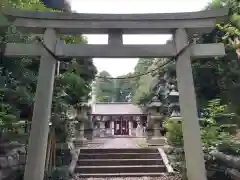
[(58, 4), (105, 88), (124, 88)]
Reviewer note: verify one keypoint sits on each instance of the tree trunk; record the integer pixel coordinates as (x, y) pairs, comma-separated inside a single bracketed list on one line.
[(228, 160), (233, 173)]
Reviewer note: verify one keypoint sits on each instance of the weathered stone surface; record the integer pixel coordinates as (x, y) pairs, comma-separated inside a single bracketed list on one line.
[(10, 146), (120, 143), (13, 160), (12, 157), (63, 157), (3, 162), (166, 177), (157, 141), (202, 21)]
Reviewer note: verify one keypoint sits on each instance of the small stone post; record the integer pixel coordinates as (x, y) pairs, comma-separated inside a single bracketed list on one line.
[(148, 129), (81, 118), (112, 127), (35, 163), (102, 128), (174, 106), (130, 124), (191, 130), (90, 131)]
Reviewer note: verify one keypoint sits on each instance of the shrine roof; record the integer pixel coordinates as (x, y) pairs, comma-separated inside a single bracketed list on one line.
[(116, 108)]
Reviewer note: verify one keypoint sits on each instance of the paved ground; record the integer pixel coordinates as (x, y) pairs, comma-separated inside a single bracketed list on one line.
[(116, 143), (119, 143)]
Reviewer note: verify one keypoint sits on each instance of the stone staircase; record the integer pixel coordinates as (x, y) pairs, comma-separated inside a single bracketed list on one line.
[(120, 163)]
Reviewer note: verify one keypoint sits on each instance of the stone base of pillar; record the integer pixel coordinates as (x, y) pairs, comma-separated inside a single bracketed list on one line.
[(89, 135), (80, 142), (102, 133), (157, 141), (149, 134)]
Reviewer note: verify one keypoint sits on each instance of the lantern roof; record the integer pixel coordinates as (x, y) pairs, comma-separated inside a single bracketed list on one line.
[(155, 102), (175, 116), (174, 93)]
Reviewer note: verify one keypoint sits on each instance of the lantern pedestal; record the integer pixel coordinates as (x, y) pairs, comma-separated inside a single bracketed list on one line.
[(157, 139), (149, 133), (89, 134), (102, 129), (80, 139), (80, 142)]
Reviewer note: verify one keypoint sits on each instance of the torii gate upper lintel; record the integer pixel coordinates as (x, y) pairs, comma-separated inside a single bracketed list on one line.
[(181, 25)]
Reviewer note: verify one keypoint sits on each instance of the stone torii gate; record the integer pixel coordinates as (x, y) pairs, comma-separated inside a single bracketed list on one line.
[(181, 25)]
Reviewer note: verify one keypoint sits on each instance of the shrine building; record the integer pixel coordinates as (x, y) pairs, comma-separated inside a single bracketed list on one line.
[(118, 118)]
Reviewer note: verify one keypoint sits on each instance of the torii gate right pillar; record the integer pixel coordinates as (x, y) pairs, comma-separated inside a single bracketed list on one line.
[(191, 129)]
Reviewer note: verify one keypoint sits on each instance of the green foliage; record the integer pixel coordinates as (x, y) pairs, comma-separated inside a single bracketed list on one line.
[(212, 134), (105, 88), (174, 132), (124, 88), (18, 84), (215, 111), (232, 26), (144, 84), (230, 147), (60, 173), (33, 5)]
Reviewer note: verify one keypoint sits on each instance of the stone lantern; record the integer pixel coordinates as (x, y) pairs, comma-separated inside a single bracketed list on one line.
[(174, 106), (82, 117), (89, 126), (71, 131), (155, 109), (102, 121)]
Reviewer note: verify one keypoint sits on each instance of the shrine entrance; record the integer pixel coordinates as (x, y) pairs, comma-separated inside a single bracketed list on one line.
[(121, 126), (183, 26)]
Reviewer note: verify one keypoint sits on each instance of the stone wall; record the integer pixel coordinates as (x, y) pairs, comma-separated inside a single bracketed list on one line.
[(12, 160)]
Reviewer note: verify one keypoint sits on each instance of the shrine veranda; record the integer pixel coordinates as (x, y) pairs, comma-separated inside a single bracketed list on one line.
[(51, 24)]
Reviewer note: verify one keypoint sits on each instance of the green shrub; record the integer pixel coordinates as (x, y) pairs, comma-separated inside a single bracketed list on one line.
[(59, 173), (230, 148), (174, 132), (212, 136)]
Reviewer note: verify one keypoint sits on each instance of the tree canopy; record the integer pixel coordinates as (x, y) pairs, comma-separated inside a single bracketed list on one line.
[(222, 73), (19, 75)]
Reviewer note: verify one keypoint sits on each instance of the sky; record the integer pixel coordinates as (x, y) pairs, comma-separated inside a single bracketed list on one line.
[(120, 66)]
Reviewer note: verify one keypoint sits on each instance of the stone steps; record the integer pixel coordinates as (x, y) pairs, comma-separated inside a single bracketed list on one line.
[(119, 151), (119, 156), (120, 163), (118, 169), (117, 175)]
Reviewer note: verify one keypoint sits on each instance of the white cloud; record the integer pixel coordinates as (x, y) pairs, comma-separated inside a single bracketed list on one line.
[(121, 66)]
